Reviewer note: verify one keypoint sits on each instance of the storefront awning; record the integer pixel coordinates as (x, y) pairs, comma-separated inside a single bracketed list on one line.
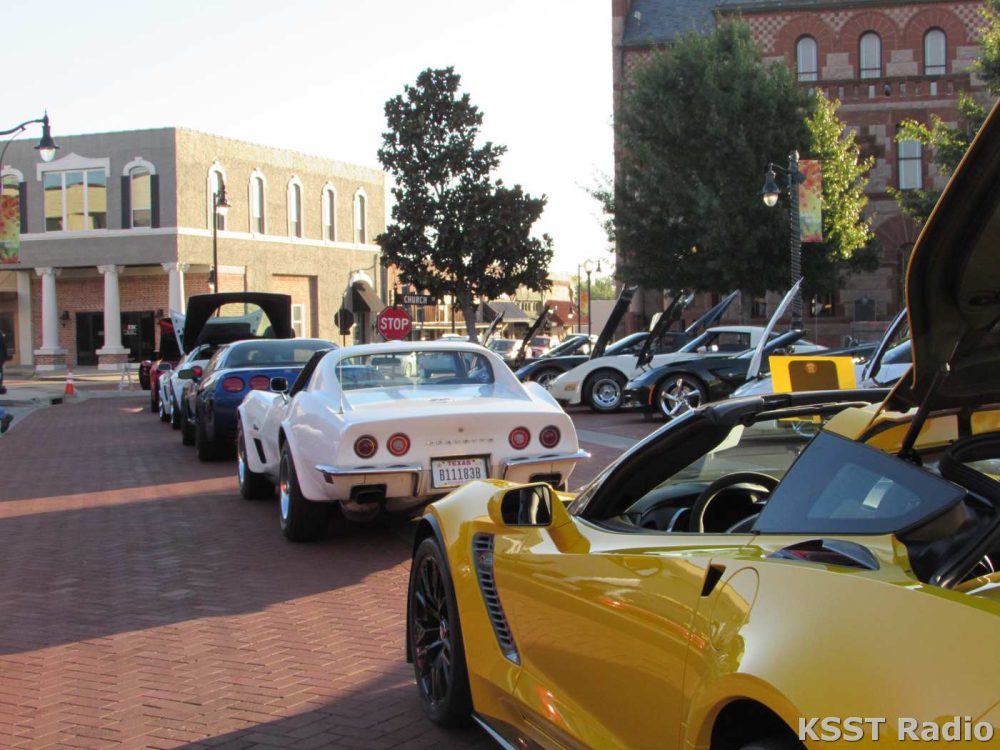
[(364, 299)]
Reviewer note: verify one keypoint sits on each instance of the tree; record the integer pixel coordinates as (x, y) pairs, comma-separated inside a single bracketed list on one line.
[(848, 240), (948, 143), (456, 230), (697, 129)]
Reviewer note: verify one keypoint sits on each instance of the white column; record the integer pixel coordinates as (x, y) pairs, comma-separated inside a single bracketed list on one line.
[(24, 333), (112, 312), (176, 295), (50, 313)]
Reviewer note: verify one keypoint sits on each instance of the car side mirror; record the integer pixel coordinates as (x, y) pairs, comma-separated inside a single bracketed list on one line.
[(530, 505), (164, 367), (189, 373), (279, 385)]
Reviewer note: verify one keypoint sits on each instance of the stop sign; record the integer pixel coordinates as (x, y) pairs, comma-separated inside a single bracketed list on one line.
[(393, 323)]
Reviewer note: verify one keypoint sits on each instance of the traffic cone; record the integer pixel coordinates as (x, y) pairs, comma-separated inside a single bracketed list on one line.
[(69, 390)]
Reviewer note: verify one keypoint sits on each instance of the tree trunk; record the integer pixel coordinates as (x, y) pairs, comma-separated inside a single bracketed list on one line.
[(469, 313)]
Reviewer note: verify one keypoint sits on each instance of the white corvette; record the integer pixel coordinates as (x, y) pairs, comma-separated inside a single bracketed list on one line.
[(391, 426)]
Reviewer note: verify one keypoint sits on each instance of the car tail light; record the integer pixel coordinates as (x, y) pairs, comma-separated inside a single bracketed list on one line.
[(549, 437), (232, 385), (198, 372), (260, 382), (519, 438), (365, 446), (398, 444)]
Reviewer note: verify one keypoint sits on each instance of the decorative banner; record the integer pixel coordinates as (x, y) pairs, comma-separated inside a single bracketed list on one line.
[(811, 201), (10, 230)]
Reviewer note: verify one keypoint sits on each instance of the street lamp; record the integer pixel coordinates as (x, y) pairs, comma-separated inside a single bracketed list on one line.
[(588, 267), (770, 194), (46, 147), (219, 208)]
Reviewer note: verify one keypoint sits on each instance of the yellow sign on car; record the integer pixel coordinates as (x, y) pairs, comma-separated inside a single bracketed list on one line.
[(803, 373)]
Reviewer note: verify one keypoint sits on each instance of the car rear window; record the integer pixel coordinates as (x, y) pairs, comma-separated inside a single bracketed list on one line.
[(274, 352), (839, 486), (414, 368)]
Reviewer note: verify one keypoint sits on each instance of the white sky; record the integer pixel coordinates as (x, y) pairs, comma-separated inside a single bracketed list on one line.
[(314, 75)]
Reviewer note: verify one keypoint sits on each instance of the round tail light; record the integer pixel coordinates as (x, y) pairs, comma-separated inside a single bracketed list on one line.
[(197, 371), (232, 385), (519, 438), (398, 444), (260, 382), (365, 446), (549, 437)]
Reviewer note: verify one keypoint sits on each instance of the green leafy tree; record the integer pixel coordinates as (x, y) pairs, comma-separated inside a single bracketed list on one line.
[(848, 241), (948, 143), (697, 129), (455, 228)]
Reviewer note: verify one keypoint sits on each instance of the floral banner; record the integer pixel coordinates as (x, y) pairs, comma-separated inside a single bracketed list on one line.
[(10, 230), (811, 201)]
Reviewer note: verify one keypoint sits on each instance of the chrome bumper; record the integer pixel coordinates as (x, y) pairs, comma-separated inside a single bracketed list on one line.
[(332, 472), (550, 459)]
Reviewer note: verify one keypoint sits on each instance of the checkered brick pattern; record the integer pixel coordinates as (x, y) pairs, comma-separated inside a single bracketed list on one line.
[(765, 29)]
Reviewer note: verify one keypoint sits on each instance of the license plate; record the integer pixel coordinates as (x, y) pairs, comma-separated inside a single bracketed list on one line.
[(451, 472)]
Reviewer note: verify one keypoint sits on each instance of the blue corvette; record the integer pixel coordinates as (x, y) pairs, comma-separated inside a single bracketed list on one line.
[(210, 401)]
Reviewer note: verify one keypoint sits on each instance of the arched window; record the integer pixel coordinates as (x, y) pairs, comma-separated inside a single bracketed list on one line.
[(360, 217), (870, 54), (216, 180), (935, 53), (257, 203), (909, 160), (807, 59), (329, 213), (11, 185), (295, 207), (141, 197)]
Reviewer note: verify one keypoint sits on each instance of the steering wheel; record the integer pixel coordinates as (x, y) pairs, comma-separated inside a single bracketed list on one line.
[(751, 479)]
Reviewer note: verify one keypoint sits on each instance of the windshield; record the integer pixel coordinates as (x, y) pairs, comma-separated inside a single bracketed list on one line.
[(574, 345), (411, 369), (501, 345), (629, 344)]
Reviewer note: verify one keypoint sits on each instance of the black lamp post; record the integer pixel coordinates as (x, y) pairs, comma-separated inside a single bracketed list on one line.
[(46, 147), (770, 194), (219, 208), (588, 267)]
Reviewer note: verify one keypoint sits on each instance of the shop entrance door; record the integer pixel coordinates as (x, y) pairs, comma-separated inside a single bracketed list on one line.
[(137, 335), (89, 337)]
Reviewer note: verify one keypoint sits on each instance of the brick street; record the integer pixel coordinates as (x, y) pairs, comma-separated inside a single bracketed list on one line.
[(146, 605)]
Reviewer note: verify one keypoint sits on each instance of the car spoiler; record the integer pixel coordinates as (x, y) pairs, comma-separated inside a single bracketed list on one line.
[(673, 312), (617, 313), (525, 342)]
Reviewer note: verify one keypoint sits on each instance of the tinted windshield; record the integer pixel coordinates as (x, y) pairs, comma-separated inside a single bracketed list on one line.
[(411, 369), (274, 352), (628, 345), (576, 344), (719, 341)]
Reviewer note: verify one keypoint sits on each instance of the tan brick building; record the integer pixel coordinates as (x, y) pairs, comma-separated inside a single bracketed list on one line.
[(119, 226), (885, 60)]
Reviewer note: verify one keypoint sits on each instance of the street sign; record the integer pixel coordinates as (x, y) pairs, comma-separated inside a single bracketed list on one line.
[(415, 299), (393, 323), (344, 319)]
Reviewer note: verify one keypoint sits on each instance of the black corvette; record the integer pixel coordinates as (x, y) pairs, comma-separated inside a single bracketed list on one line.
[(684, 385)]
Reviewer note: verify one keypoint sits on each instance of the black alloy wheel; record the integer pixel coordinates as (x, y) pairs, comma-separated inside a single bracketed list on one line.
[(436, 639)]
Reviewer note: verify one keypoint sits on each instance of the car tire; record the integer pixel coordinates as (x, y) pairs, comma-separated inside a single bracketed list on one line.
[(433, 625), (162, 409), (302, 520), (187, 431), (604, 391), (679, 394), (153, 401), (784, 742), (253, 486), (545, 376), (175, 414), (208, 450)]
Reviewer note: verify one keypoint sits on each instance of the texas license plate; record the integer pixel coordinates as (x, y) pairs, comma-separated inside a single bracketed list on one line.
[(451, 472)]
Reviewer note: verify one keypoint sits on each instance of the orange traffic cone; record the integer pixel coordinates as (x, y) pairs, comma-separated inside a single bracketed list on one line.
[(69, 390)]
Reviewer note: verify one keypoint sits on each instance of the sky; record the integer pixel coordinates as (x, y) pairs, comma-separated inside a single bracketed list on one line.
[(314, 76)]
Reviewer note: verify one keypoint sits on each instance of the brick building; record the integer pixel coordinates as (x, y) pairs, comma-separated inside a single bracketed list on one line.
[(885, 60), (119, 226)]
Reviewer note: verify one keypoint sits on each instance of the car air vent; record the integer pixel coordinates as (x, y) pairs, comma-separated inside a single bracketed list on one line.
[(829, 552), (482, 554)]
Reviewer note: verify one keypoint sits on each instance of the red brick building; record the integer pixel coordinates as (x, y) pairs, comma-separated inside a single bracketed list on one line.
[(885, 60)]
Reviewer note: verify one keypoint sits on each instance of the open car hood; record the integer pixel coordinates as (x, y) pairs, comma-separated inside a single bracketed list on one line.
[(201, 307), (953, 286)]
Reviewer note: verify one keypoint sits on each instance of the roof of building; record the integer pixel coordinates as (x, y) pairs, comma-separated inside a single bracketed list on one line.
[(652, 22), (511, 312)]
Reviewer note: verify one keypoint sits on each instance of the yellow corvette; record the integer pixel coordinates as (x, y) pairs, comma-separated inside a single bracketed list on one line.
[(776, 572)]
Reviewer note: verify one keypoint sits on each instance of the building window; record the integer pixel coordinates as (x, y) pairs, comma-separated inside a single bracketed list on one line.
[(909, 157), (10, 189), (76, 200), (215, 181), (141, 196), (329, 213), (935, 53), (824, 305), (806, 59), (295, 208), (758, 307), (299, 319), (871, 55), (360, 218), (257, 212)]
